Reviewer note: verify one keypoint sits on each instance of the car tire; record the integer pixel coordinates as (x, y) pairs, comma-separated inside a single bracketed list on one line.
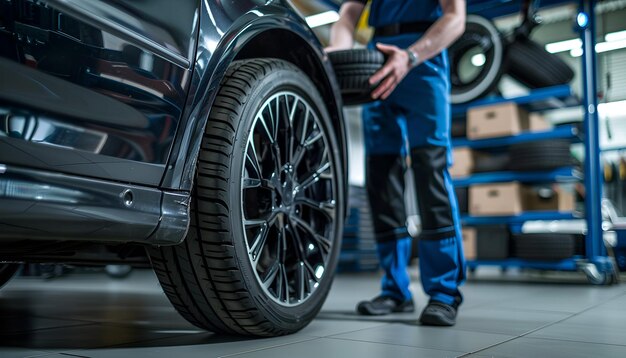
[(353, 68), (266, 209), (7, 271), (529, 63), (544, 246), (479, 33), (541, 155)]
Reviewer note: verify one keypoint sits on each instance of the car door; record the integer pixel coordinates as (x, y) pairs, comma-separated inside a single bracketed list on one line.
[(94, 88)]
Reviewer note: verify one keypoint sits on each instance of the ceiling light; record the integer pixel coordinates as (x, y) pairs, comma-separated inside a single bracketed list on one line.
[(323, 18), (600, 47), (610, 46), (612, 109), (563, 46), (615, 36)]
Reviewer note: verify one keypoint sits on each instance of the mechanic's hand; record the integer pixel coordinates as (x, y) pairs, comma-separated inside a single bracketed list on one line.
[(394, 70)]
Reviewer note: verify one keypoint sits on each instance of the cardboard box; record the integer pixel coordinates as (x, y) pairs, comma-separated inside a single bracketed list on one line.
[(554, 199), (536, 123), (462, 162), (498, 120), (501, 199), (469, 242)]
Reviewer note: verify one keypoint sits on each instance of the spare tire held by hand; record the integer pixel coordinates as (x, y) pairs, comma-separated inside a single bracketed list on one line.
[(529, 63), (353, 69), (476, 60)]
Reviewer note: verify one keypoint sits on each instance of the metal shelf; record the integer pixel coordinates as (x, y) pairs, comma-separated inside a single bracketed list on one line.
[(568, 131), (537, 100), (516, 219), (561, 175), (570, 264)]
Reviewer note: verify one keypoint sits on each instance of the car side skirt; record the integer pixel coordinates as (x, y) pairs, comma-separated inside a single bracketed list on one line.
[(40, 205)]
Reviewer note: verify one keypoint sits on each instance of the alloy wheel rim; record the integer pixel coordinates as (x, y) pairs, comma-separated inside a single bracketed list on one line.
[(288, 199)]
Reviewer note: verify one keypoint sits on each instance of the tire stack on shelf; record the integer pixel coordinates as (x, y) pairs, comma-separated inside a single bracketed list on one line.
[(358, 248), (504, 173), (540, 155), (547, 247)]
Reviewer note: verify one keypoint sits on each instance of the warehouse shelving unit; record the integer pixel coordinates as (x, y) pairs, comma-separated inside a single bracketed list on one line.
[(595, 262)]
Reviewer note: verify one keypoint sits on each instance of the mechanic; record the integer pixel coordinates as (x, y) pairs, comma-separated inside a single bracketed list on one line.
[(412, 111)]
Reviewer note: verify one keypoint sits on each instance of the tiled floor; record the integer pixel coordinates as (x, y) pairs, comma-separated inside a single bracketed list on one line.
[(90, 315)]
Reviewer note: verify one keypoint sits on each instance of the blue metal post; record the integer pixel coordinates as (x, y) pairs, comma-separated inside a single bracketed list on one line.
[(596, 252)]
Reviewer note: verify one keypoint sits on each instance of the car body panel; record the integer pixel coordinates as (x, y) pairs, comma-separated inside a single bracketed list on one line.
[(97, 87), (109, 56)]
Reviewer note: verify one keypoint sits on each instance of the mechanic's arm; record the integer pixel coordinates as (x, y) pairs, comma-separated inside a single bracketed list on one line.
[(439, 36), (342, 31)]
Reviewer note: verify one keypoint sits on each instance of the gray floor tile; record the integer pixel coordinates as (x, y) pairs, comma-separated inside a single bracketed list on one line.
[(192, 346), (552, 298), (600, 317), (322, 327), (339, 348), (26, 323), (617, 304), (505, 321), (531, 347), (6, 352), (583, 333), (132, 317), (426, 337), (78, 337)]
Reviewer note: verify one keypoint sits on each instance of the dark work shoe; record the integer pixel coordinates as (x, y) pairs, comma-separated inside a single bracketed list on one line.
[(438, 314), (383, 305)]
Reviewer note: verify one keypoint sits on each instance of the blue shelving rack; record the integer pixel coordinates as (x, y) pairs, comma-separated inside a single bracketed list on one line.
[(595, 263)]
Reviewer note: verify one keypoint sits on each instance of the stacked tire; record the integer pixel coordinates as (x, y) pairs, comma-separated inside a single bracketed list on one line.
[(541, 155), (546, 247)]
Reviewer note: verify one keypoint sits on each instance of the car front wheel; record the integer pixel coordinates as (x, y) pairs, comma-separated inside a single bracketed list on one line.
[(266, 210)]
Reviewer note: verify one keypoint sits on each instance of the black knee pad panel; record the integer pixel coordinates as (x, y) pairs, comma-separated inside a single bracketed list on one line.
[(429, 165), (385, 189)]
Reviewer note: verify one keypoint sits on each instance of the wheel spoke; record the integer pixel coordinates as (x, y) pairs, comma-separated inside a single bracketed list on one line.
[(274, 118), (314, 138), (298, 155), (270, 135), (308, 272), (313, 178), (322, 242), (327, 208), (253, 158), (251, 183), (292, 136), (305, 126), (301, 280), (270, 276), (258, 244)]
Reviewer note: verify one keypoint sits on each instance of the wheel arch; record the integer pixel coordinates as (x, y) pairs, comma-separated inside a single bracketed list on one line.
[(251, 36)]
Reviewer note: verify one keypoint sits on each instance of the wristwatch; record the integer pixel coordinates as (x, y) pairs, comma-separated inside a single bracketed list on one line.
[(414, 58)]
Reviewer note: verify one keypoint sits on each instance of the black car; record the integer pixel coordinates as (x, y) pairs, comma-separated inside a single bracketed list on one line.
[(207, 134)]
